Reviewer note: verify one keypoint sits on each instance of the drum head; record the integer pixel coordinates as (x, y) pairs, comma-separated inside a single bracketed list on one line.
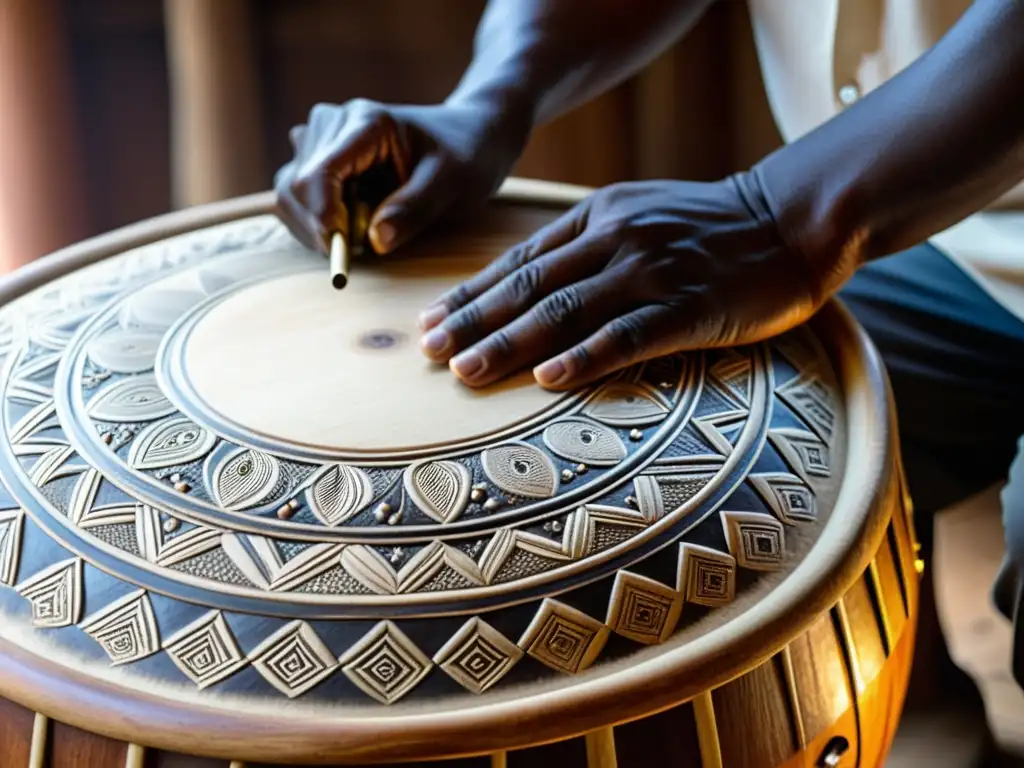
[(239, 503)]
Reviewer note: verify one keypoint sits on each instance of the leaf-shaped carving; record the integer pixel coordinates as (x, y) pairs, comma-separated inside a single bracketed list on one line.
[(583, 440), (135, 399), (624, 404), (440, 488), (497, 551), (520, 469), (578, 538), (338, 493), (124, 351), (370, 569), (170, 443), (244, 478)]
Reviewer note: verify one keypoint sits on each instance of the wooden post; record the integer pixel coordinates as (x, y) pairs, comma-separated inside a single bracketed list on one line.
[(42, 201), (217, 143)]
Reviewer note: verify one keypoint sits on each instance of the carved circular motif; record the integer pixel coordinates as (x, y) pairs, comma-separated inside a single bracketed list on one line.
[(112, 448)]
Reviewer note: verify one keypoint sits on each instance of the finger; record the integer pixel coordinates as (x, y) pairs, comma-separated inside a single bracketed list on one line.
[(556, 323), (516, 294), (640, 335), (412, 207), (322, 173), (303, 226), (296, 135), (554, 235)]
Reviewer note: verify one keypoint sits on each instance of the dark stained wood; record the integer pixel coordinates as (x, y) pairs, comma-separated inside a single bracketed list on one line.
[(159, 759), (562, 754), (74, 748), (668, 739), (753, 717), (15, 733)]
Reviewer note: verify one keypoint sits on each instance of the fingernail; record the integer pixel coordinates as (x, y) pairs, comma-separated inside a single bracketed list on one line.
[(468, 364), (551, 373), (385, 234), (436, 342), (431, 316)]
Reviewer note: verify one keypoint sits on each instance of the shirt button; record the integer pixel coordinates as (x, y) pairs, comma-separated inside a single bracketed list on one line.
[(848, 94)]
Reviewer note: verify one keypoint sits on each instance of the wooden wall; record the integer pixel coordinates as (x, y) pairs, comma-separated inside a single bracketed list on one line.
[(698, 112)]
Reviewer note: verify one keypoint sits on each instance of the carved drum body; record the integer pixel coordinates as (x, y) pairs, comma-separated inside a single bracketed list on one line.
[(242, 520)]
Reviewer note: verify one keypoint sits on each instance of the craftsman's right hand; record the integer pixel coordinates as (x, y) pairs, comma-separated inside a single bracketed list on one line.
[(453, 156)]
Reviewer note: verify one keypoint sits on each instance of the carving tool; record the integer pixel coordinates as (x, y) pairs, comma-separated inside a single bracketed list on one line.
[(339, 261)]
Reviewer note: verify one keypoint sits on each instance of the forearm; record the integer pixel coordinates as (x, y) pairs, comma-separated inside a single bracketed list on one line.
[(544, 57), (934, 144)]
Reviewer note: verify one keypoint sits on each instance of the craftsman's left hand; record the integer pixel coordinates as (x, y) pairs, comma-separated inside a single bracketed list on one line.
[(636, 271)]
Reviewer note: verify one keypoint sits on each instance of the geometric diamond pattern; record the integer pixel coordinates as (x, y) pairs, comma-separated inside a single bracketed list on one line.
[(293, 659), (385, 664), (565, 639), (205, 650), (643, 609), (55, 594), (478, 655), (706, 576), (756, 540), (126, 630), (787, 496)]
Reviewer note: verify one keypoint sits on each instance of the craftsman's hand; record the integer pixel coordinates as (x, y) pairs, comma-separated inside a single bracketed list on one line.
[(636, 271), (453, 155)]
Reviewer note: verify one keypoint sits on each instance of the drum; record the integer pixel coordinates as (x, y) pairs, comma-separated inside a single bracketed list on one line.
[(243, 521)]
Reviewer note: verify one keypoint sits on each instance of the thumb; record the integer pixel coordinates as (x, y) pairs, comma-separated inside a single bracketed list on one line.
[(412, 207)]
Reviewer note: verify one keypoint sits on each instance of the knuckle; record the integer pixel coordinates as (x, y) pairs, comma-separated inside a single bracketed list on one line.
[(523, 285), (626, 336), (320, 111), (499, 346), (560, 308), (459, 297), (466, 321)]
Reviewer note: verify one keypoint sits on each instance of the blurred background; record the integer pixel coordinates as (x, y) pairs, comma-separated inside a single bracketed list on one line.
[(112, 111)]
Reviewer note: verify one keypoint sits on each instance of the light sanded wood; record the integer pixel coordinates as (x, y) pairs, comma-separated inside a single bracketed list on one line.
[(601, 749), (707, 731), (294, 359), (136, 756), (37, 753)]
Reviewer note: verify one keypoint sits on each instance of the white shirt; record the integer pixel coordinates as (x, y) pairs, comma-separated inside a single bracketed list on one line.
[(819, 56)]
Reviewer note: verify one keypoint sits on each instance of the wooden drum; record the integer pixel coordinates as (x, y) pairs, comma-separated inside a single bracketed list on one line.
[(243, 518)]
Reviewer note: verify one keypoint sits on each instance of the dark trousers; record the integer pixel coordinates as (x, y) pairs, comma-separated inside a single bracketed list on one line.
[(956, 362)]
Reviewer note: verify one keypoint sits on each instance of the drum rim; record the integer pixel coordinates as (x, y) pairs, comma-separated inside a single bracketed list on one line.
[(843, 550)]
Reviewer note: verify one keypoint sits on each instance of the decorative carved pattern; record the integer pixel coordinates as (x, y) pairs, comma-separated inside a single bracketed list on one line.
[(338, 493), (808, 456), (808, 395), (385, 664), (170, 443), (258, 559), (126, 630), (440, 488), (717, 428), (131, 400), (563, 638), (156, 548), (244, 478), (293, 659), (756, 540), (787, 496), (521, 469), (206, 650), (583, 440), (627, 404), (55, 594), (643, 609), (124, 351), (10, 545), (706, 576), (478, 656)]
